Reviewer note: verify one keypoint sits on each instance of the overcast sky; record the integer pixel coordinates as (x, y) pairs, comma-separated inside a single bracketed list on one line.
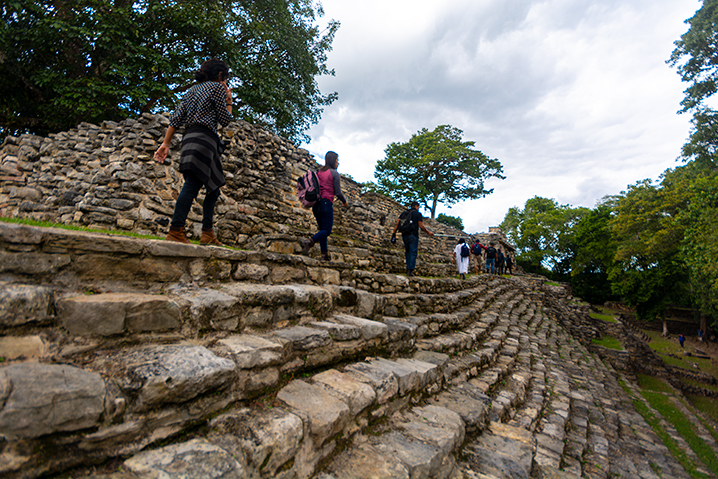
[(573, 97)]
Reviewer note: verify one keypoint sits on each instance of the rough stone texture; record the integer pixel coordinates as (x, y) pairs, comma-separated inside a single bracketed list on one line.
[(40, 399), (366, 462), (253, 351), (196, 458), (113, 313), (268, 439), (23, 303), (325, 414), (356, 394), (175, 373)]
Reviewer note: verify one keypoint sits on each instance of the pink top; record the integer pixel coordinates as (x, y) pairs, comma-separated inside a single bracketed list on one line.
[(329, 185)]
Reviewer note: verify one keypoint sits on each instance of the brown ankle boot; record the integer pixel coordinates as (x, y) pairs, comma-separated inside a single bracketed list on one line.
[(307, 245), (326, 256), (177, 234), (208, 238)]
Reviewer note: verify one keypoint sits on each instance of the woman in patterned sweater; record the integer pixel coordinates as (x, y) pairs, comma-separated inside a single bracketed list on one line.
[(205, 105)]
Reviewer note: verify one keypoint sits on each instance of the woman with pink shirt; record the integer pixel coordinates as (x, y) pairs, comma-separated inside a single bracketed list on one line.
[(329, 187)]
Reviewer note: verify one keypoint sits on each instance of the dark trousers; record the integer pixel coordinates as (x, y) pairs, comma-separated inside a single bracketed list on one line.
[(324, 213), (189, 192), (411, 251)]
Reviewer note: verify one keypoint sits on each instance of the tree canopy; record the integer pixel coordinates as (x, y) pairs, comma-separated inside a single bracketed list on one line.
[(539, 232), (695, 59), (453, 221), (64, 62), (435, 167)]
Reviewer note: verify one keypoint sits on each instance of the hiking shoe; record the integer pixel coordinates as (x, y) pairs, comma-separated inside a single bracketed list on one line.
[(176, 234), (307, 245), (209, 239)]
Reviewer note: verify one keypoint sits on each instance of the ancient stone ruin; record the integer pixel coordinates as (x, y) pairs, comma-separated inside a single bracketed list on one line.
[(128, 357)]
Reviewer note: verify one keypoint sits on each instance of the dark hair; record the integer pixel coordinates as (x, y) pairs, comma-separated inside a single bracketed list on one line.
[(330, 160), (211, 69), (414, 203)]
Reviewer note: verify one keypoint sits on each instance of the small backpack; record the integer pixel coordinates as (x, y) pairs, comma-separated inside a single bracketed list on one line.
[(490, 252), (405, 224), (476, 249), (465, 251), (308, 189)]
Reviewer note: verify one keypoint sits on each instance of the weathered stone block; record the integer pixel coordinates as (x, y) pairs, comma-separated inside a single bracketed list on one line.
[(114, 313), (22, 303), (38, 399)]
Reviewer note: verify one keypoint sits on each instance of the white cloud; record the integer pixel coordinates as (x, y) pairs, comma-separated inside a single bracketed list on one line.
[(574, 98)]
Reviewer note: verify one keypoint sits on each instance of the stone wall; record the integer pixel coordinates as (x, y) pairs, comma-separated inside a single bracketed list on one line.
[(104, 177)]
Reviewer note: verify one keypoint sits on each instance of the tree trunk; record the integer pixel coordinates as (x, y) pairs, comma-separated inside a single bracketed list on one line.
[(665, 329)]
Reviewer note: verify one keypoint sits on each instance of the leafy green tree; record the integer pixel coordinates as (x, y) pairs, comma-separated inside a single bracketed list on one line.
[(700, 246), (453, 221), (435, 167), (649, 272), (63, 62), (593, 249), (540, 233), (695, 59)]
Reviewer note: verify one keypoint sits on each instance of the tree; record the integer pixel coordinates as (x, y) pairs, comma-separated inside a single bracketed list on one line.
[(540, 232), (700, 246), (695, 59), (649, 272), (64, 62), (435, 167), (593, 250), (453, 221)]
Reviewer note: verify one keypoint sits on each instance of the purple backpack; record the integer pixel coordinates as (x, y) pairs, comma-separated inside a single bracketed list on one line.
[(308, 189)]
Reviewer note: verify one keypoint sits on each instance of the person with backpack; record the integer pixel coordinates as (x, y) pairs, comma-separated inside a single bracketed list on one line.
[(408, 225), (477, 250), (491, 259), (462, 256), (206, 104), (499, 262), (323, 210)]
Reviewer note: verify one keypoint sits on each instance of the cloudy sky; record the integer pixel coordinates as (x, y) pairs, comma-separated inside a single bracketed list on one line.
[(573, 97)]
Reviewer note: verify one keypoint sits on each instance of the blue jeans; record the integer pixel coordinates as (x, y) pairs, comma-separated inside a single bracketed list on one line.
[(490, 262), (189, 192), (324, 213), (411, 251)]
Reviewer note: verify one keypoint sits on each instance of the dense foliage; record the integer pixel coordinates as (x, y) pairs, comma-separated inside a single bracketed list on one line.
[(434, 167), (453, 221), (64, 62)]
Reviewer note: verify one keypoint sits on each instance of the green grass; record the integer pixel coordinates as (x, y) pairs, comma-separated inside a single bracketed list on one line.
[(608, 342), (655, 423), (603, 317), (709, 406), (47, 224), (658, 393), (665, 347)]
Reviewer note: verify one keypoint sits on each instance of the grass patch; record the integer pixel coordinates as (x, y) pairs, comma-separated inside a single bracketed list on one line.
[(47, 224), (608, 342), (673, 355), (662, 403), (654, 384), (603, 317), (709, 406)]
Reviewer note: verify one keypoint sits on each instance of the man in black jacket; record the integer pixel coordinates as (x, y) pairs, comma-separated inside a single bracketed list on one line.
[(410, 220)]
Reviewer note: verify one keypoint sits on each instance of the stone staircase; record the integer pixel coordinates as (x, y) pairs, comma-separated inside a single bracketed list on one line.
[(128, 358)]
